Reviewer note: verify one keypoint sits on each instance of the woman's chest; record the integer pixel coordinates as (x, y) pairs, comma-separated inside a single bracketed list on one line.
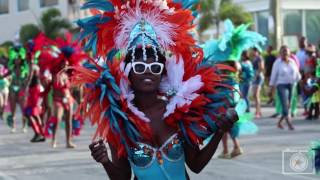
[(286, 70)]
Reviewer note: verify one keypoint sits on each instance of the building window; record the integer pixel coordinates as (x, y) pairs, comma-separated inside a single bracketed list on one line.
[(4, 6), (46, 3), (313, 26), (23, 5), (292, 22)]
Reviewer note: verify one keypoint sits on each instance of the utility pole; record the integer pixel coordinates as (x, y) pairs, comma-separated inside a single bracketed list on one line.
[(275, 9), (216, 13)]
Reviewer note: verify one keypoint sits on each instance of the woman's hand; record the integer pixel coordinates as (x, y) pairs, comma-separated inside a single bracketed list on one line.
[(99, 152)]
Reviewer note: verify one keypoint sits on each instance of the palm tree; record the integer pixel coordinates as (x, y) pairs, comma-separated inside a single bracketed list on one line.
[(225, 10), (51, 23)]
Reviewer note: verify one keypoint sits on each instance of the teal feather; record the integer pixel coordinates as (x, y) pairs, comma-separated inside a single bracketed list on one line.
[(230, 46), (102, 5)]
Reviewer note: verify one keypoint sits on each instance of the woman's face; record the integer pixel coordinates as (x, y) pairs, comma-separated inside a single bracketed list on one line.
[(146, 82), (285, 53)]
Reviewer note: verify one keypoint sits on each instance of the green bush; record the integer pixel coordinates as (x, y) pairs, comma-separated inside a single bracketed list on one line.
[(28, 31)]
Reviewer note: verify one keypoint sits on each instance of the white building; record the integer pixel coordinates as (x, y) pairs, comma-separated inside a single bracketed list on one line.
[(299, 18), (15, 13)]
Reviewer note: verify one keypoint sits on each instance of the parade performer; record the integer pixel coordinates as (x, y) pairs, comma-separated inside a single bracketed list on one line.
[(157, 104), (315, 154), (19, 70), (70, 55), (228, 49), (33, 107), (49, 52), (4, 82)]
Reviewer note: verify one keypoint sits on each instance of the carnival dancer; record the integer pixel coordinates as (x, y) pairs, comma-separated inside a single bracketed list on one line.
[(157, 104), (70, 55), (33, 107), (4, 83), (315, 155), (19, 70), (230, 49)]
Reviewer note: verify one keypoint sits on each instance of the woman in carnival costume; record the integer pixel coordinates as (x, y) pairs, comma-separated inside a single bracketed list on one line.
[(4, 82), (19, 70), (229, 49), (33, 109), (157, 104), (70, 55)]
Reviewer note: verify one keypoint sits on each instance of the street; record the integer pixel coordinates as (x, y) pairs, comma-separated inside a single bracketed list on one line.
[(262, 158)]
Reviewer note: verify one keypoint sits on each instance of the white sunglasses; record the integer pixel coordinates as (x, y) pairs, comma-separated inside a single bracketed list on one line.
[(141, 67)]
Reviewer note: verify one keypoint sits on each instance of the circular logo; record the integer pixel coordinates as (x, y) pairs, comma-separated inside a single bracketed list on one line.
[(299, 162)]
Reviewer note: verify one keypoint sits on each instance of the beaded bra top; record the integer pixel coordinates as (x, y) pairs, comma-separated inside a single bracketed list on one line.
[(166, 162)]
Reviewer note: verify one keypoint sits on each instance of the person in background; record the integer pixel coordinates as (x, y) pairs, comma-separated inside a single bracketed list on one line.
[(269, 61), (301, 53), (246, 77), (294, 97), (312, 100), (284, 75), (33, 109), (302, 57), (258, 66)]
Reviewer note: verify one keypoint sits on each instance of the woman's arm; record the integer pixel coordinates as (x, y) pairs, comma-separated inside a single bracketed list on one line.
[(197, 159), (274, 74), (118, 168), (261, 65)]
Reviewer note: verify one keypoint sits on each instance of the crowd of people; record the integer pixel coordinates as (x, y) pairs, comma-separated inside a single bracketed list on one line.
[(288, 79), (35, 77)]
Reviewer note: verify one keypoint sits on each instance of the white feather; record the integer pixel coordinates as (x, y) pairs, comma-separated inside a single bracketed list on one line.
[(185, 90)]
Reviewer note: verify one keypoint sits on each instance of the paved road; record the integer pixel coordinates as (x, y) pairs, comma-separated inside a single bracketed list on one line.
[(21, 160)]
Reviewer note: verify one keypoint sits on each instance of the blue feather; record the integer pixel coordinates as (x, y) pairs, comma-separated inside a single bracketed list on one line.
[(111, 54), (186, 4), (211, 123), (199, 132), (99, 4), (184, 132)]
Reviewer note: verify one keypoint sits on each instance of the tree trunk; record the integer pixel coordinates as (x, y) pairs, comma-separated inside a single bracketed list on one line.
[(275, 9)]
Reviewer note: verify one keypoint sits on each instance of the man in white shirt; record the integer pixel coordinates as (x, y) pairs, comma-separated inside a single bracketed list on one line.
[(301, 53)]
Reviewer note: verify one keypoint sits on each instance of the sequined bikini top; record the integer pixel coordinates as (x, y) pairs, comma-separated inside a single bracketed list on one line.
[(164, 163)]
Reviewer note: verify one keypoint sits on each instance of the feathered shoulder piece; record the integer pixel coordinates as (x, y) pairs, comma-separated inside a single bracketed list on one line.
[(232, 43)]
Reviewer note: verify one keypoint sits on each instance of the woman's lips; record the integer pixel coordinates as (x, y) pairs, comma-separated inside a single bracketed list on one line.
[(147, 80)]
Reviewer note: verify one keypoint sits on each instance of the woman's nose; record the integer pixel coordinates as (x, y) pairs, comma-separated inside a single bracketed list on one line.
[(148, 71)]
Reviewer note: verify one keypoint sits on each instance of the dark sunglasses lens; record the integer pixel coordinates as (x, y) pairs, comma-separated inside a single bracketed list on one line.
[(139, 68), (156, 68)]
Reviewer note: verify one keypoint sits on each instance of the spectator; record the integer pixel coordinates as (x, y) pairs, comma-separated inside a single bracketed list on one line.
[(258, 66), (310, 75), (284, 75), (301, 53), (269, 60)]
